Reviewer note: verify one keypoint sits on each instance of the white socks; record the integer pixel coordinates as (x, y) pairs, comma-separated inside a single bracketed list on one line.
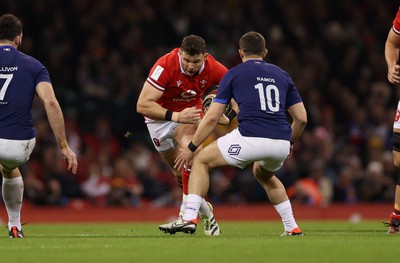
[(13, 190), (204, 209), (183, 205), (192, 207), (284, 209)]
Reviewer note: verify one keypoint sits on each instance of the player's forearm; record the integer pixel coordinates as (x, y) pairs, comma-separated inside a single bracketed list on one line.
[(155, 111), (391, 55), (207, 125), (56, 120), (392, 48), (297, 130)]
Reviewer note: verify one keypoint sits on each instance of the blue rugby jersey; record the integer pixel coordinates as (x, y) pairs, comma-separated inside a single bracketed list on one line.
[(19, 75), (263, 92)]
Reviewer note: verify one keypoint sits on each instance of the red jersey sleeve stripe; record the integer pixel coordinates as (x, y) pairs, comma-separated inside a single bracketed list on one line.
[(397, 31), (396, 23), (155, 85)]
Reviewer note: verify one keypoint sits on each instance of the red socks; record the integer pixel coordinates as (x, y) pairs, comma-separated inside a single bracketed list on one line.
[(185, 180)]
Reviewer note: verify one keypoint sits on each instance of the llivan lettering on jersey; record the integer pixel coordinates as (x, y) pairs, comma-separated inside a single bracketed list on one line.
[(8, 69)]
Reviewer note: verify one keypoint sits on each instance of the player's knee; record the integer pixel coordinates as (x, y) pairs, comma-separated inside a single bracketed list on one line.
[(261, 173), (179, 181), (396, 159), (8, 172), (398, 176), (395, 140), (202, 161)]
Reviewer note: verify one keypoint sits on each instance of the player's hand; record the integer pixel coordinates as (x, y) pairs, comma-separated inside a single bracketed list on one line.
[(70, 158), (185, 157), (394, 74), (189, 115), (223, 120)]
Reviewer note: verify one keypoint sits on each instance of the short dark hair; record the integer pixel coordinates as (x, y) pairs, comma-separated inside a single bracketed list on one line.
[(252, 43), (10, 27), (193, 45)]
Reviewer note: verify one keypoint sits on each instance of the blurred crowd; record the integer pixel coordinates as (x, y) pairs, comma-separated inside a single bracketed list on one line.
[(99, 52)]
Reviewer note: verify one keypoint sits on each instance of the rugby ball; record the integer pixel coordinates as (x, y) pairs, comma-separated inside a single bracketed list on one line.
[(208, 101)]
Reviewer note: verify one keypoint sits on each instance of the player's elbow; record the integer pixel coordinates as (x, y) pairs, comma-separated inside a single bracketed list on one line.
[(303, 122), (211, 119), (302, 119), (299, 114), (140, 107), (50, 103)]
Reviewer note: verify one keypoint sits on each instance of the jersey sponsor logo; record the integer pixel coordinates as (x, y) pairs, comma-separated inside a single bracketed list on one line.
[(189, 93), (183, 99), (234, 149), (157, 72)]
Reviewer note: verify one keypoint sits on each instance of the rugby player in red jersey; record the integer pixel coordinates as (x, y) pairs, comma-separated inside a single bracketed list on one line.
[(171, 101)]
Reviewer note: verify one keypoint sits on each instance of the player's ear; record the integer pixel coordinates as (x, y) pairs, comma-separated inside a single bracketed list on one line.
[(18, 40), (265, 53), (241, 54)]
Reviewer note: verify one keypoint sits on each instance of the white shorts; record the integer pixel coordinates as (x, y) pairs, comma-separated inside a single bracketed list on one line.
[(239, 151), (396, 123), (162, 134), (13, 153)]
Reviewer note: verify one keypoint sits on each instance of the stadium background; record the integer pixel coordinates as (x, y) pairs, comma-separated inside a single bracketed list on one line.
[(99, 52)]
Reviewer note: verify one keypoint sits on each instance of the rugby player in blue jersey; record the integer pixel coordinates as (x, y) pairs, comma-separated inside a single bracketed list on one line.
[(21, 77), (265, 94)]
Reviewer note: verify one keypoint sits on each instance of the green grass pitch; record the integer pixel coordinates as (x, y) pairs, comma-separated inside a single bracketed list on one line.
[(324, 242)]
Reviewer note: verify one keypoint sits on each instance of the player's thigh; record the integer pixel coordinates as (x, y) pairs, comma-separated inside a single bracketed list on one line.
[(239, 151), (210, 156), (183, 134), (396, 158), (13, 153), (161, 133)]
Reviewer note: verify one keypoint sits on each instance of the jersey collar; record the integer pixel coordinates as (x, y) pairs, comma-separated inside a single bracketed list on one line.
[(256, 61), (7, 46)]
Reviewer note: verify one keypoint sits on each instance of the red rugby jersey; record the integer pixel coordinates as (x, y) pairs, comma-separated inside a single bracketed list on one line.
[(180, 90), (396, 23)]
